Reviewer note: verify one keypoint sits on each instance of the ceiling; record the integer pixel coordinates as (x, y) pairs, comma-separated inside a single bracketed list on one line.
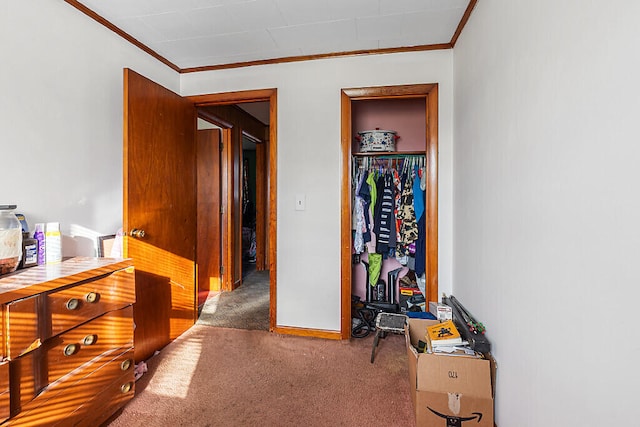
[(191, 35)]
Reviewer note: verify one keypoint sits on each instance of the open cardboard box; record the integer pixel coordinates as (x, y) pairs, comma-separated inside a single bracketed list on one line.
[(448, 391)]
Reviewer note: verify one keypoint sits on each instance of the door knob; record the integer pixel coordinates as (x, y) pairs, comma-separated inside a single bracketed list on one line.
[(136, 232)]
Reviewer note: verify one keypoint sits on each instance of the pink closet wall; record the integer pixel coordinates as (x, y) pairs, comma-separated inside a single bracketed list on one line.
[(405, 116)]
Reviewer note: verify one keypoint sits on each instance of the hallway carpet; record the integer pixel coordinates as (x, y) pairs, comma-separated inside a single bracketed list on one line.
[(232, 377), (246, 307)]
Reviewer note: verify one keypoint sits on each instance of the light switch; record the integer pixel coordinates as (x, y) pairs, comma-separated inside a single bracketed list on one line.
[(299, 202)]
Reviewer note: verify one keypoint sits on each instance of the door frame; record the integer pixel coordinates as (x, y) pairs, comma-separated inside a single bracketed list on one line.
[(430, 93), (259, 95)]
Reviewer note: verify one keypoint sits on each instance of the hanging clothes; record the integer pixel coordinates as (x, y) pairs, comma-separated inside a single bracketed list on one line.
[(418, 194), (371, 180), (360, 227), (421, 249), (408, 226), (385, 217), (365, 195), (388, 202), (397, 203)]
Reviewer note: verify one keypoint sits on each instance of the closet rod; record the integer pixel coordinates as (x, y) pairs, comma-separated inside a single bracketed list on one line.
[(396, 155)]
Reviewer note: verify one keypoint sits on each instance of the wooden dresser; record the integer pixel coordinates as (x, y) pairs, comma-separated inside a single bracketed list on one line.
[(67, 342)]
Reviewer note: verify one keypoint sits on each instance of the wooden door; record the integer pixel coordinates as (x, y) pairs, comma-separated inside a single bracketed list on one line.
[(160, 198), (209, 242)]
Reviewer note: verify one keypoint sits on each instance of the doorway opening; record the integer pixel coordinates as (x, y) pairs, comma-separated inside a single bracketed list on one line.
[(245, 125)]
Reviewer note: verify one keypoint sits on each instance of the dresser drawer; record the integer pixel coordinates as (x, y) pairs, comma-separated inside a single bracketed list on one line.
[(73, 306), (4, 391), (106, 402), (97, 411), (21, 326), (84, 395), (22, 372), (81, 345)]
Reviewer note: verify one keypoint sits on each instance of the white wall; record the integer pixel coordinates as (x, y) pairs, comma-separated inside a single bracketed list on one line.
[(61, 139), (309, 163), (546, 205), (61, 117)]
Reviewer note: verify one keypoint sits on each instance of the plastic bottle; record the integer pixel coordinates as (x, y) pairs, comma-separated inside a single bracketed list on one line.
[(29, 245), (29, 251), (10, 239), (38, 234), (53, 243)]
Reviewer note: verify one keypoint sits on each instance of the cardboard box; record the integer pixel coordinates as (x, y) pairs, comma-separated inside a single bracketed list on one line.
[(448, 390), (441, 311)]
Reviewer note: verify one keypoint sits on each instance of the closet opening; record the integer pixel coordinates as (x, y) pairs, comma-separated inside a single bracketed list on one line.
[(389, 239)]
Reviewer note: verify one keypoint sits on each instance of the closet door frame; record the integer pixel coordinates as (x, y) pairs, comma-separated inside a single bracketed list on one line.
[(429, 92)]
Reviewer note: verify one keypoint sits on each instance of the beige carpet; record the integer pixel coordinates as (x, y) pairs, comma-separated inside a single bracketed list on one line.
[(246, 307), (233, 377)]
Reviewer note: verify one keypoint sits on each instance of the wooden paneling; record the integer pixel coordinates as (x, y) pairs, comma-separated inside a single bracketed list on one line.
[(208, 256), (232, 116)]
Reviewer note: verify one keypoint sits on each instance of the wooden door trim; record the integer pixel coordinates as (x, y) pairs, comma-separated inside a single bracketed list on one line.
[(208, 254), (269, 95), (430, 93), (262, 218), (227, 198)]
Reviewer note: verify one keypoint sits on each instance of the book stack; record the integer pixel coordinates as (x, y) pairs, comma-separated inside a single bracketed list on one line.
[(444, 334), (444, 338)]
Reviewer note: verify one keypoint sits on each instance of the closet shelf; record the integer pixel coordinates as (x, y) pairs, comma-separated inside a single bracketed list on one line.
[(389, 153)]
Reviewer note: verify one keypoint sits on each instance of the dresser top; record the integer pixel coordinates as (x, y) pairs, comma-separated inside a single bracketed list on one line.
[(44, 278)]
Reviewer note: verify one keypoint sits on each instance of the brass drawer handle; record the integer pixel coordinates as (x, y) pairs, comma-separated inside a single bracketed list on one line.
[(92, 297), (125, 365), (126, 388), (90, 339), (72, 304), (70, 349)]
